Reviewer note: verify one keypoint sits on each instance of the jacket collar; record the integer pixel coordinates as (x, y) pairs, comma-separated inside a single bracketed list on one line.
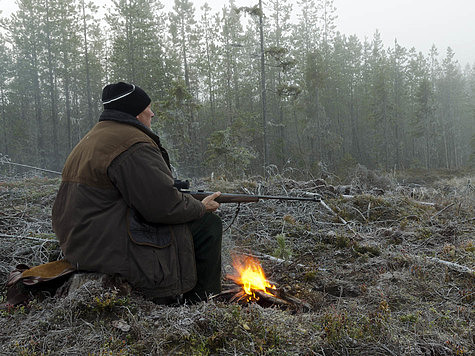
[(124, 118)]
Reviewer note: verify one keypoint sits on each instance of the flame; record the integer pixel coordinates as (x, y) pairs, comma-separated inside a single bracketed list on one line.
[(251, 276)]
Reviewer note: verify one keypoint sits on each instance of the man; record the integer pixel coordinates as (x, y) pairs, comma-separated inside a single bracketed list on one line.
[(117, 211)]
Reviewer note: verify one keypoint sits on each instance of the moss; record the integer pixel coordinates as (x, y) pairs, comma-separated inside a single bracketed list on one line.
[(409, 318), (371, 251), (310, 276), (424, 233), (342, 241), (334, 325)]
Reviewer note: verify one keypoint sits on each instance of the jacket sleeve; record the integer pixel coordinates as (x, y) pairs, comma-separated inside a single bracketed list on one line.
[(146, 184)]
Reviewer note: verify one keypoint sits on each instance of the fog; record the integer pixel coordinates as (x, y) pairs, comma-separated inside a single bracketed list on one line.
[(418, 24)]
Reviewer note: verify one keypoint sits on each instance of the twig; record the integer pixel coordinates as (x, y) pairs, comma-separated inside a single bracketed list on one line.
[(338, 216), (440, 212), (388, 350), (359, 212), (226, 292), (279, 260), (424, 203), (26, 237), (272, 258)]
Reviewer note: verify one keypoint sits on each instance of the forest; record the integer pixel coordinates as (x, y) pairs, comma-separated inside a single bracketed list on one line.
[(267, 100), (237, 91)]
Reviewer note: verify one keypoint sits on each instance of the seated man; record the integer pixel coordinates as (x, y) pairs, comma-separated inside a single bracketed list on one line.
[(118, 212)]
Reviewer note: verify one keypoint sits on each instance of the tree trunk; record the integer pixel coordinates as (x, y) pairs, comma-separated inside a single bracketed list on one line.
[(354, 126), (4, 122), (263, 86), (90, 117), (54, 113), (67, 98), (38, 113), (210, 79)]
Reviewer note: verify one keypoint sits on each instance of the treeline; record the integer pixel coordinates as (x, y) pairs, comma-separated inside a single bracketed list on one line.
[(235, 90)]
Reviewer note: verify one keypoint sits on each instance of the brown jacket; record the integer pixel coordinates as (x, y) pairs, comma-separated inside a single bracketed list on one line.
[(117, 211)]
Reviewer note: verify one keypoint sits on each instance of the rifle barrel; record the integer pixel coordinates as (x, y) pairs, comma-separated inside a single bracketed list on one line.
[(246, 198)]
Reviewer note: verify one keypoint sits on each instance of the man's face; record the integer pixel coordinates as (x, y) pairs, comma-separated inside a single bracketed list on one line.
[(145, 117)]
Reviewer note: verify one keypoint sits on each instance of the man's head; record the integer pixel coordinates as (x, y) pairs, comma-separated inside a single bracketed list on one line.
[(125, 97)]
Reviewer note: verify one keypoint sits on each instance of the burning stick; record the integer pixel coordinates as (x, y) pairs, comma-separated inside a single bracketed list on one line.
[(250, 285), (251, 277)]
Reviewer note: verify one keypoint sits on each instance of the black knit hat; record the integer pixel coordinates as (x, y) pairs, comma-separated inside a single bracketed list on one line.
[(125, 97)]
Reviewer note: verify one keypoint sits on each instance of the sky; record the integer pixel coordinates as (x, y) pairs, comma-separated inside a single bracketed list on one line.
[(414, 23)]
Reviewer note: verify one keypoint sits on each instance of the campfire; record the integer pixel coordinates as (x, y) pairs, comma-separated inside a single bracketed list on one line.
[(250, 285), (251, 277)]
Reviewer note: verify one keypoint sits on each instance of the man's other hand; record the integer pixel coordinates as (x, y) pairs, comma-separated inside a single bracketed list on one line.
[(209, 202)]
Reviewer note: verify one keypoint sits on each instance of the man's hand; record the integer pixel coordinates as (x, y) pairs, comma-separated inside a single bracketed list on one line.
[(209, 202)]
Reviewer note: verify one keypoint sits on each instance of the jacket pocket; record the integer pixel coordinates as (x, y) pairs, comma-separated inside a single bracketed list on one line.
[(144, 233), (152, 260)]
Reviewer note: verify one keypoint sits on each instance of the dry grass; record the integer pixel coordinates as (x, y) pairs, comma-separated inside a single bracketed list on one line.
[(371, 283)]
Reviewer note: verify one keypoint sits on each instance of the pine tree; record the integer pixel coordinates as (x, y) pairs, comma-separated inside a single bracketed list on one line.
[(280, 64), (449, 97), (24, 29), (182, 22), (423, 114), (136, 55), (207, 63), (328, 17), (398, 61), (231, 78), (68, 29), (5, 75), (90, 60), (381, 105)]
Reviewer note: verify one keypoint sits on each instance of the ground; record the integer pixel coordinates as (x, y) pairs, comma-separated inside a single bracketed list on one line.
[(385, 263)]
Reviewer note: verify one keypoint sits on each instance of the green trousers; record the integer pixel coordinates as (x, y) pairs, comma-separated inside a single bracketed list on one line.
[(207, 237)]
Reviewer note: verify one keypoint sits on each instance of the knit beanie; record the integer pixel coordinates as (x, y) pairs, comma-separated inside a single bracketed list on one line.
[(125, 97)]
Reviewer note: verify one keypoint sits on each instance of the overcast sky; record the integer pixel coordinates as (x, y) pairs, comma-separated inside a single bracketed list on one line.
[(414, 23)]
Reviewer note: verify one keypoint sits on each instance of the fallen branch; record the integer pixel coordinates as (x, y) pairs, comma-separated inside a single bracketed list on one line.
[(27, 238), (338, 216), (279, 260), (271, 298), (452, 265), (272, 258), (440, 212)]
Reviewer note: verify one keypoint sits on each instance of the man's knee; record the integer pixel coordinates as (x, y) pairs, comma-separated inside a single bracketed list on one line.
[(214, 221), (207, 231)]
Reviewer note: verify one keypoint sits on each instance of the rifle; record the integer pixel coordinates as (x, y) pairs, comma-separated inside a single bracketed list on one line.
[(183, 186), (244, 198)]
